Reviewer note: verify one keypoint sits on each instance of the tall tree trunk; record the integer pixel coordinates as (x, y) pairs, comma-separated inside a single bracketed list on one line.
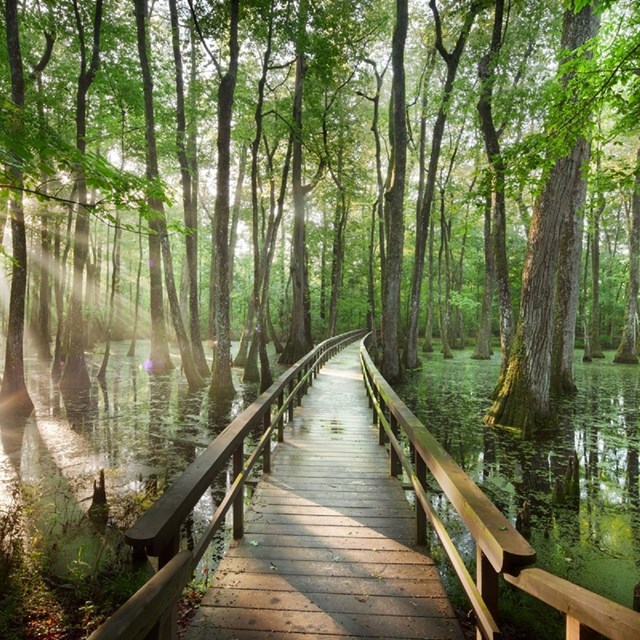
[(136, 305), (115, 278), (188, 169), (161, 247), (428, 330), (391, 367), (483, 348), (568, 281), (627, 352), (221, 381), (595, 325), (499, 260), (444, 272), (14, 397), (377, 210), (523, 399), (452, 60), (75, 376), (299, 341), (235, 215), (44, 302)]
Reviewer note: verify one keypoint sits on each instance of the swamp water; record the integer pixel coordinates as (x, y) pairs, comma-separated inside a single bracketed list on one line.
[(580, 481), (141, 430)]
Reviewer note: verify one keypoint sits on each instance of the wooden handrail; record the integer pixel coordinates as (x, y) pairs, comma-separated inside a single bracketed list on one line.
[(151, 612), (501, 550), (580, 605)]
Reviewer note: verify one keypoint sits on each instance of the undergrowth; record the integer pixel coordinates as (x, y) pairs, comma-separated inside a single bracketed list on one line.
[(62, 571)]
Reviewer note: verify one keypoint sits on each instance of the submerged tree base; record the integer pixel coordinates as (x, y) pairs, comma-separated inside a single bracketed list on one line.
[(293, 351), (75, 376), (15, 403), (625, 358)]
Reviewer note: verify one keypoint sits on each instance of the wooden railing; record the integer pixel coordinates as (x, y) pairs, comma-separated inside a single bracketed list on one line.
[(151, 612), (500, 549)]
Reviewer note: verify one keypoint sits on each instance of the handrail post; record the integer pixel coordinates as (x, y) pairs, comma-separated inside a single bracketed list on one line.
[(374, 397), (266, 454), (238, 503), (382, 434), (291, 401), (421, 516), (487, 583), (281, 419), (396, 465), (167, 627)]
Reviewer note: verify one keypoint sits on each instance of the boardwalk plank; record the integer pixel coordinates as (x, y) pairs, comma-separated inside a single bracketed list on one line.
[(329, 549)]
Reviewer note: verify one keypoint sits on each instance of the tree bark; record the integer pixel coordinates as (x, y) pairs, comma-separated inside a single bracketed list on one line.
[(483, 349), (568, 281), (136, 305), (428, 329), (14, 396), (299, 341), (391, 367), (627, 352), (221, 380), (596, 325)]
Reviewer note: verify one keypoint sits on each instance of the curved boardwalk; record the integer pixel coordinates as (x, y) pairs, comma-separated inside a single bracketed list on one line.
[(329, 547)]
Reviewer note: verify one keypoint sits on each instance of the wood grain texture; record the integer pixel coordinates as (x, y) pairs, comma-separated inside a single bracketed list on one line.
[(329, 545)]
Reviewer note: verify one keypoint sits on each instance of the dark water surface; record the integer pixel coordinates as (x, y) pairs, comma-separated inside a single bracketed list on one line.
[(584, 517)]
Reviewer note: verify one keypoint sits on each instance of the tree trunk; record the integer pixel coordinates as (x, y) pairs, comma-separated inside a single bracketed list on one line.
[(188, 170), (483, 349), (221, 381), (568, 281), (161, 247), (523, 399), (75, 376), (299, 341), (261, 257), (428, 329), (14, 397), (136, 307), (596, 327), (443, 266), (115, 278), (391, 367), (452, 60), (500, 261), (627, 352)]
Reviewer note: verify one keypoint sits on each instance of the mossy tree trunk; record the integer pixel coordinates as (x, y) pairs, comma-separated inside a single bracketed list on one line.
[(523, 397)]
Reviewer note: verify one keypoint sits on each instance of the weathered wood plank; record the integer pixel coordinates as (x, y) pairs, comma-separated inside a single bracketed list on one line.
[(319, 623), (338, 585), (329, 545)]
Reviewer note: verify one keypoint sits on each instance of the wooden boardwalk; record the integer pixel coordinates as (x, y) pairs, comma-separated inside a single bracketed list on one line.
[(329, 549)]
